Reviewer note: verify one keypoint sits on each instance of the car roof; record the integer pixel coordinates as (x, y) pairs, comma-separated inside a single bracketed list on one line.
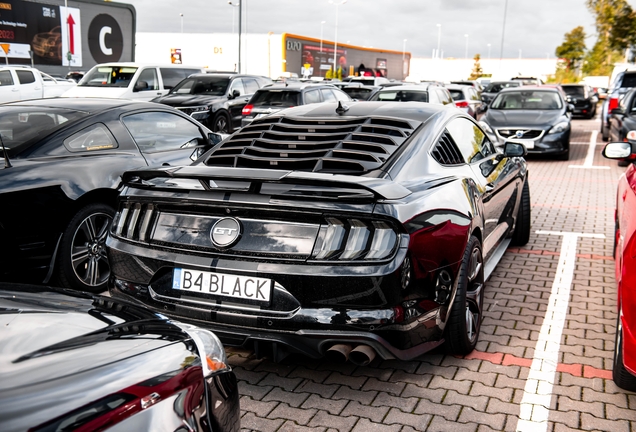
[(89, 105), (418, 111), (295, 85), (547, 88), (409, 87), (458, 86)]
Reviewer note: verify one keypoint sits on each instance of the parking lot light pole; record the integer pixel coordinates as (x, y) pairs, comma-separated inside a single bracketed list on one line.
[(503, 32), (322, 23), (181, 15), (403, 49), (488, 51), (234, 6), (335, 41), (466, 53), (439, 38)]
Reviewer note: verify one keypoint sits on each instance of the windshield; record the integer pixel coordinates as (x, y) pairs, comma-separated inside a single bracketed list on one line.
[(578, 91), (401, 96), (527, 100), (21, 127), (275, 98), (108, 76), (205, 85), (498, 86)]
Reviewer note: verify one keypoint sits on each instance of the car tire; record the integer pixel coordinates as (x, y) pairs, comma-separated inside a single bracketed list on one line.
[(222, 123), (466, 312), (82, 262), (604, 135), (621, 376), (521, 234), (566, 155)]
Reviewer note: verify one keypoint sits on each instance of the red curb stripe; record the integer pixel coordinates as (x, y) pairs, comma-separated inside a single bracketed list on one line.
[(576, 369), (551, 253), (592, 372)]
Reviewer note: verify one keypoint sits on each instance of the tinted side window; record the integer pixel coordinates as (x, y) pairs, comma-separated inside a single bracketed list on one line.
[(94, 137), (629, 80), (327, 95), (161, 131), (444, 96), (25, 77), (237, 84), (312, 96), (251, 85), (149, 76), (469, 138), (6, 78), (171, 77)]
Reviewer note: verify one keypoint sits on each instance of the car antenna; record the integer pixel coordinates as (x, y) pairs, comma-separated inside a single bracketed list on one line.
[(7, 162), (341, 109)]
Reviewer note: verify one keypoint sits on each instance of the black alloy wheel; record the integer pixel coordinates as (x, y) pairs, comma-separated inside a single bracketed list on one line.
[(521, 234), (82, 260), (620, 375), (466, 313), (222, 123)]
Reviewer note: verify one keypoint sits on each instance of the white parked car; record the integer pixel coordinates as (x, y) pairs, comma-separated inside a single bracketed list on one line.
[(130, 80), (22, 83)]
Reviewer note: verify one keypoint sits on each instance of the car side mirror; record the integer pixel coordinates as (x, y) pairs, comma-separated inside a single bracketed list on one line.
[(512, 149), (140, 86), (235, 93), (617, 111), (617, 150), (215, 137), (570, 108)]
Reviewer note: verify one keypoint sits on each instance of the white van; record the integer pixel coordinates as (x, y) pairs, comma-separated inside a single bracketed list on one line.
[(130, 80)]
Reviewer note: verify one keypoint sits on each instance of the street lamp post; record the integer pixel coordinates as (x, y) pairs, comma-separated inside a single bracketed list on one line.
[(322, 23), (466, 52), (503, 32), (439, 38), (181, 15), (335, 42), (488, 51), (403, 49)]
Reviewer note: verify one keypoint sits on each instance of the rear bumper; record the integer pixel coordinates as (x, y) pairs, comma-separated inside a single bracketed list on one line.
[(358, 305)]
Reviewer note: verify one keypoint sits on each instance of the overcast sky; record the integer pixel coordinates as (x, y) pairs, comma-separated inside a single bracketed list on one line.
[(536, 27)]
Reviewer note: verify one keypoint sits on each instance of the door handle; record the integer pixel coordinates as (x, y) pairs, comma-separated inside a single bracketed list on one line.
[(159, 94), (15, 89), (490, 187)]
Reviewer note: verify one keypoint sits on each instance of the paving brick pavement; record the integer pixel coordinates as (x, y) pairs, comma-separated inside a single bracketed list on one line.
[(483, 391)]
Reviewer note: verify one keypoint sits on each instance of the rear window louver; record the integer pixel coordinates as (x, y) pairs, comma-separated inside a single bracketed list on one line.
[(446, 151), (333, 145)]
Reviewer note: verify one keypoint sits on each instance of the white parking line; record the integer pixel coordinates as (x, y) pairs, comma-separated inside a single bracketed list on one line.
[(589, 158), (537, 394)]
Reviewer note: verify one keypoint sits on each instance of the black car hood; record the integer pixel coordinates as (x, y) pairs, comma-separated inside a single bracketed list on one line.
[(48, 334), (188, 100), (520, 118)]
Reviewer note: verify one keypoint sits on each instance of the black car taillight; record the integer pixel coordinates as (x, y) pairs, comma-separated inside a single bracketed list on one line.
[(354, 239), (133, 221)]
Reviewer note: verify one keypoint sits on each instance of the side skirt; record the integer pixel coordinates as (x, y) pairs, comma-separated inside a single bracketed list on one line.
[(495, 258)]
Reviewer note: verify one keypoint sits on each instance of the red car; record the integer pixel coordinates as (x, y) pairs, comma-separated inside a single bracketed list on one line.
[(624, 370)]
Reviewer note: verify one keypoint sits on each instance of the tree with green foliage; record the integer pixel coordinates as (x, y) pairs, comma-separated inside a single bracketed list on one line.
[(572, 50), (477, 71), (616, 27)]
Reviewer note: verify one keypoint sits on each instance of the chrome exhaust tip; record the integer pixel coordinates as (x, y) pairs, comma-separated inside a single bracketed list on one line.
[(362, 355), (339, 353)]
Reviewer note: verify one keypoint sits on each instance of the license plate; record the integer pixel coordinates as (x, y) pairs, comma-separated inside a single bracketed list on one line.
[(226, 285), (528, 143)]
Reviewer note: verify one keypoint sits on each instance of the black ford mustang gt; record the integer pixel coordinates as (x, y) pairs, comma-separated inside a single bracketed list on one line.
[(61, 175), (347, 231)]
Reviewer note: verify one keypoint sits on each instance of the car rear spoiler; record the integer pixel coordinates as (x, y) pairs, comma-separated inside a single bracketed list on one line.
[(380, 188)]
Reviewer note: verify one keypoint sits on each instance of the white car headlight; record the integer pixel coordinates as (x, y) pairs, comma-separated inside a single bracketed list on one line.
[(559, 127), (486, 127)]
